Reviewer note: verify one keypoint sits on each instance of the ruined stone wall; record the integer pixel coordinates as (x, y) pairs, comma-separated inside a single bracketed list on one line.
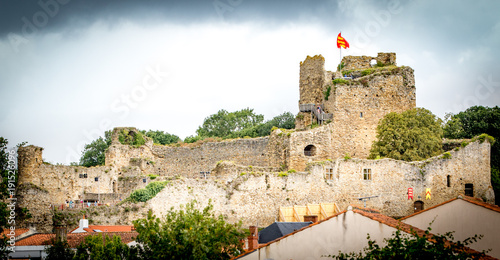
[(312, 80), (73, 182), (357, 108), (255, 197), (363, 62), (190, 161), (320, 142)]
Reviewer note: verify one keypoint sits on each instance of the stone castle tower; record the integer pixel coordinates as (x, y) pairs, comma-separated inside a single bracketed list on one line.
[(353, 105)]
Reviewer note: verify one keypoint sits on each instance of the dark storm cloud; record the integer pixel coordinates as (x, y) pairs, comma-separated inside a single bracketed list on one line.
[(28, 17)]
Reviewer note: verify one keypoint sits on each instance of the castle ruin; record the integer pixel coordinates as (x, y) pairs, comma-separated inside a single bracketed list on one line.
[(247, 179)]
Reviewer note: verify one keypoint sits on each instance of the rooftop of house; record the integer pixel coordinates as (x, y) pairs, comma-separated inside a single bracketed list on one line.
[(475, 201), (73, 239), (17, 231), (369, 213), (279, 229), (101, 228)]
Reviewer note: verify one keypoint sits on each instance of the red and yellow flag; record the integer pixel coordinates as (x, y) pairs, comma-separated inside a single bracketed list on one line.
[(341, 42)]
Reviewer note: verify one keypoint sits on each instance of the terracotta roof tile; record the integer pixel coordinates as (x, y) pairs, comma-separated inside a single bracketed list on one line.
[(73, 239), (110, 228), (18, 231), (472, 200)]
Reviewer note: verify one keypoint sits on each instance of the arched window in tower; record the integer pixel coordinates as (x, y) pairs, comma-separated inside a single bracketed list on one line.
[(310, 150)]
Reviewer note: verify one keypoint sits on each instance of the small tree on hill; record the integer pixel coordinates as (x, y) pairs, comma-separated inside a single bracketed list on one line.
[(189, 234), (413, 135)]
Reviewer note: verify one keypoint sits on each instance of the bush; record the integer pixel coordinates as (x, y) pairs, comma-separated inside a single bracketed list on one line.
[(128, 137), (327, 92), (340, 81), (143, 195), (282, 174), (446, 155)]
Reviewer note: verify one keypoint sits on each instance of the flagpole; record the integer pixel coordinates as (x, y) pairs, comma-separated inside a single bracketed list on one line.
[(340, 62)]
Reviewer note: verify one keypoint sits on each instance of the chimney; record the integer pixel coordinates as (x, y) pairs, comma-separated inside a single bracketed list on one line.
[(84, 223), (253, 238), (311, 218), (60, 233)]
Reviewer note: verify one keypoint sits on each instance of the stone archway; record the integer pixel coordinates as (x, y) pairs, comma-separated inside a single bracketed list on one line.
[(310, 150)]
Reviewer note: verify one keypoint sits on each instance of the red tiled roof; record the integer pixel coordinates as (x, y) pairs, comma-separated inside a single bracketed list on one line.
[(91, 228), (73, 239), (18, 231), (472, 200)]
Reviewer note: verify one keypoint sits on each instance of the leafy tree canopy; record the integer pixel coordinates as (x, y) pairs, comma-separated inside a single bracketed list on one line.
[(413, 135), (224, 123), (95, 247), (59, 250), (160, 137), (474, 121), (415, 246), (189, 234), (94, 153), (241, 123)]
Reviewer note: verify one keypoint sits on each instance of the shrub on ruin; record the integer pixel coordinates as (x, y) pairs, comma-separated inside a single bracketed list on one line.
[(413, 135), (149, 192), (133, 138)]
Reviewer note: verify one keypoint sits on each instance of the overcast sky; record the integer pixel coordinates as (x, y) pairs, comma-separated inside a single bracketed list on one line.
[(71, 69)]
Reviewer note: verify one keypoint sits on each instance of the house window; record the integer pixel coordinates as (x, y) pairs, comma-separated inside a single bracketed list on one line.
[(310, 150), (82, 175), (448, 181), (361, 114), (329, 174), (469, 189), (367, 174)]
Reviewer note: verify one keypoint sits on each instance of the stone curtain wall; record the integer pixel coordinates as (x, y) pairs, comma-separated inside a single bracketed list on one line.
[(255, 197), (190, 161)]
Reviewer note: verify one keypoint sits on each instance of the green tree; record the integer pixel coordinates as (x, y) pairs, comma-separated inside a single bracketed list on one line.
[(189, 234), (4, 212), (474, 121), (59, 250), (106, 248), (413, 135), (94, 153), (415, 246), (160, 137), (223, 123)]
